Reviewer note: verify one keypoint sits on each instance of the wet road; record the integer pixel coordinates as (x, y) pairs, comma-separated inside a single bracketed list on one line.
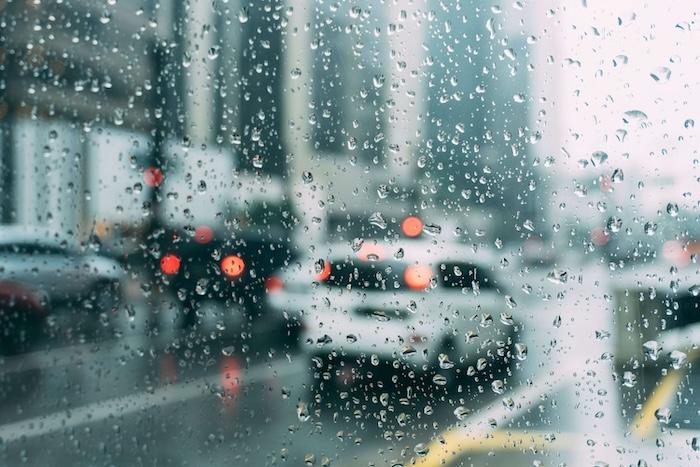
[(162, 399)]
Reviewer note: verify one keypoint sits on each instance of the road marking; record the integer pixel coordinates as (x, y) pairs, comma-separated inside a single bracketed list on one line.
[(127, 405), (645, 421), (455, 444), (477, 431)]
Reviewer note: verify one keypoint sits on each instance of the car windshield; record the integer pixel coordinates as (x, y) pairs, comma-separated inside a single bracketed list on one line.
[(463, 275), (365, 275)]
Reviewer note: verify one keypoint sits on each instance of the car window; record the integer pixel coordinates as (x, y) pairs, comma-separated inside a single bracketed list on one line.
[(464, 276), (360, 275)]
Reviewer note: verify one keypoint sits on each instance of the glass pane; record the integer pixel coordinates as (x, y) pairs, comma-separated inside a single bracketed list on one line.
[(349, 233)]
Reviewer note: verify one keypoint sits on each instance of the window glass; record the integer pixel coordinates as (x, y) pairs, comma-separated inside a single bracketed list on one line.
[(349, 233)]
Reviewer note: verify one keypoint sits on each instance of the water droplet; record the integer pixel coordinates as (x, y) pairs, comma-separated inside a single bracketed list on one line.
[(650, 228), (377, 220), (520, 351), (186, 60), (557, 276), (663, 415), (661, 74), (244, 15), (614, 224), (461, 413), (634, 116), (510, 302), (356, 244), (490, 28), (519, 98), (497, 386), (285, 392), (557, 321), (303, 412), (408, 350), (444, 362), (421, 450), (651, 349), (378, 80), (201, 286), (307, 177), (694, 290), (432, 229), (678, 359), (629, 379), (323, 340), (295, 73), (507, 319), (620, 60), (617, 176), (689, 123), (672, 209), (118, 117), (598, 158), (440, 380), (213, 52)]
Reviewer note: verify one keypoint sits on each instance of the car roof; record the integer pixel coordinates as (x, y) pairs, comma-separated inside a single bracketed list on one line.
[(421, 251), (17, 234)]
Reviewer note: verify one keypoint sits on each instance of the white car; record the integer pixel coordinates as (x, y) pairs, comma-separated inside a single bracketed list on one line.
[(422, 304)]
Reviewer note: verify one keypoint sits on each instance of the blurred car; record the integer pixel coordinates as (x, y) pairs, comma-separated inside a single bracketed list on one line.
[(48, 272), (431, 306), (221, 247)]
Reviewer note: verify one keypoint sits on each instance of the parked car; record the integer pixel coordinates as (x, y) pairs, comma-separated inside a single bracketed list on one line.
[(57, 274), (428, 306)]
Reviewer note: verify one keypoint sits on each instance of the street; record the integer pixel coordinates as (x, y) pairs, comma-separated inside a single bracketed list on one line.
[(156, 399)]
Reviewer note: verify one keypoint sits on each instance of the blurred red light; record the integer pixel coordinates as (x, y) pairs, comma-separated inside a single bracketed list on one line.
[(273, 284), (417, 276), (412, 226), (599, 236), (230, 373), (153, 176), (232, 266), (203, 235), (325, 272), (170, 264)]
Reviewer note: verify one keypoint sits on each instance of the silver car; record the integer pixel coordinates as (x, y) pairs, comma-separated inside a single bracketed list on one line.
[(57, 274)]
